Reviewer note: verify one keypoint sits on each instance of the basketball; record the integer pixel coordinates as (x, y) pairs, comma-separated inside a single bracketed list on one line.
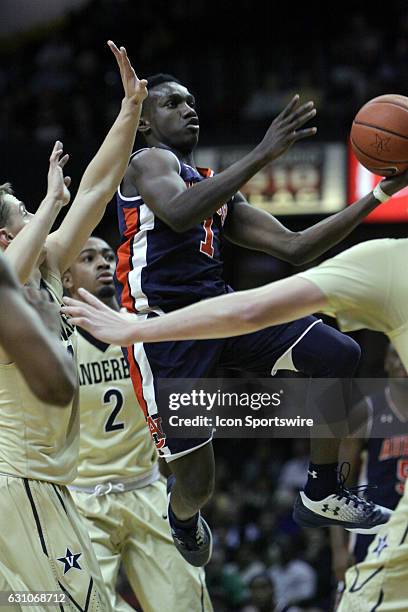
[(379, 135)]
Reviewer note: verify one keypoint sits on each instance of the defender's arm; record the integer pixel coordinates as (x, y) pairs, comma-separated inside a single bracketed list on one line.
[(104, 173), (40, 356)]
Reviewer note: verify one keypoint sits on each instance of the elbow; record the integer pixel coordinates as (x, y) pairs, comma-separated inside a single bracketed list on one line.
[(300, 253)]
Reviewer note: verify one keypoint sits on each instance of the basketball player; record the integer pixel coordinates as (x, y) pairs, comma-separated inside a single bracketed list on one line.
[(381, 452), (118, 479), (25, 337), (364, 286), (172, 219), (45, 545)]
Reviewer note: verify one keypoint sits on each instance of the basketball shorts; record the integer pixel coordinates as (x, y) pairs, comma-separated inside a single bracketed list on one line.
[(44, 546), (380, 582), (132, 528), (263, 352)]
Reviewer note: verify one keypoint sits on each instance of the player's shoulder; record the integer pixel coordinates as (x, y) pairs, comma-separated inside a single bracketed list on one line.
[(153, 160)]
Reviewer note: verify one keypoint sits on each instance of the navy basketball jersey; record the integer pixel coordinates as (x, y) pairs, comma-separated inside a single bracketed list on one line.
[(387, 457), (158, 269)]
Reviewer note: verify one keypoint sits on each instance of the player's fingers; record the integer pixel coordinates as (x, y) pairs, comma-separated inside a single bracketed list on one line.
[(90, 299), (289, 108), (118, 55), (67, 181), (81, 322), (301, 120), (78, 310), (300, 134), (56, 150), (298, 112), (63, 160), (113, 48)]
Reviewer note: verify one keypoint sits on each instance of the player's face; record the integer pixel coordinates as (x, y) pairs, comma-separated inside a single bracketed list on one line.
[(94, 269), (173, 118), (18, 215)]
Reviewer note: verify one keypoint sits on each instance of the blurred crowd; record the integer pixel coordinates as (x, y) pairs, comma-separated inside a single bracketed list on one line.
[(61, 82)]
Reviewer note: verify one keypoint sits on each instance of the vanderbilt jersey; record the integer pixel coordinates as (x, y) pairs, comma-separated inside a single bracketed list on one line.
[(38, 440), (115, 441)]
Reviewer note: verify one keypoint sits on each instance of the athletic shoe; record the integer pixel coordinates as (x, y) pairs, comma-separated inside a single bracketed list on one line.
[(195, 544), (343, 508)]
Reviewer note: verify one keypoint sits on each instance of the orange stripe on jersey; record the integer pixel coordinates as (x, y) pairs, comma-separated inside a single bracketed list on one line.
[(136, 378), (124, 265)]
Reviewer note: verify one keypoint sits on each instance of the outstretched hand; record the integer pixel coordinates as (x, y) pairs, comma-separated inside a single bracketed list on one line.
[(99, 320), (57, 187), (393, 184), (135, 89), (285, 129)]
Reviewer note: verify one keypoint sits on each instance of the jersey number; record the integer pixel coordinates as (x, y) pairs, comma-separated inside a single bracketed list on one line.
[(206, 246), (116, 397)]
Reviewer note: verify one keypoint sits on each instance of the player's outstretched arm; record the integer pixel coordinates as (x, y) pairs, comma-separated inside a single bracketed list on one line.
[(25, 340), (154, 172), (105, 172), (234, 314), (25, 249), (258, 230)]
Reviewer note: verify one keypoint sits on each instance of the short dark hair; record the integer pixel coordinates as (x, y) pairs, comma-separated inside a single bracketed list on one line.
[(159, 78), (5, 189)]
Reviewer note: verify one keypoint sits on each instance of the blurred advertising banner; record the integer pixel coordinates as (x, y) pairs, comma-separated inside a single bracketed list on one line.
[(361, 182), (309, 179)]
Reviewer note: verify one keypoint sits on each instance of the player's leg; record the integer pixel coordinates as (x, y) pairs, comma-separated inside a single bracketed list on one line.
[(106, 532), (326, 353), (45, 546), (380, 582), (191, 460), (319, 351), (160, 578)]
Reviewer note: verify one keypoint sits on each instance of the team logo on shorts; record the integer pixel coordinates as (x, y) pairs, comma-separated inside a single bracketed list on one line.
[(156, 431), (70, 560)]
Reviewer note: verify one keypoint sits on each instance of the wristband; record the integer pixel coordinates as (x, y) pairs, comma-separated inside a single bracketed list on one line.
[(379, 194)]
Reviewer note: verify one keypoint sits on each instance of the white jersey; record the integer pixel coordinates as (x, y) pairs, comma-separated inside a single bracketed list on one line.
[(38, 440), (115, 443)]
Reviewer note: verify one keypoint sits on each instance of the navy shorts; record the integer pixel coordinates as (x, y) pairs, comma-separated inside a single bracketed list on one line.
[(262, 352)]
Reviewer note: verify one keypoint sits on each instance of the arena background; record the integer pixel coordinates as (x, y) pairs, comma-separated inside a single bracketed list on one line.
[(242, 60)]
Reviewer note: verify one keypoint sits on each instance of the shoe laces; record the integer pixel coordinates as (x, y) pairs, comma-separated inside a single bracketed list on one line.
[(199, 534), (350, 495)]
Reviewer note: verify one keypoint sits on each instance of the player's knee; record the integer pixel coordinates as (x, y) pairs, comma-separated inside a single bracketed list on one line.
[(345, 356), (326, 352)]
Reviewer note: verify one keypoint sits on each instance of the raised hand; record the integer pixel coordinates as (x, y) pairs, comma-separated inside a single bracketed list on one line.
[(135, 89), (57, 184), (285, 129)]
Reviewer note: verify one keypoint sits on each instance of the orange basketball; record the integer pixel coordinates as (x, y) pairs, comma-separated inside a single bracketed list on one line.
[(379, 135)]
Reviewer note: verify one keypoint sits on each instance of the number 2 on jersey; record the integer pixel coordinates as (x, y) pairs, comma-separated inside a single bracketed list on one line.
[(113, 396), (206, 246)]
